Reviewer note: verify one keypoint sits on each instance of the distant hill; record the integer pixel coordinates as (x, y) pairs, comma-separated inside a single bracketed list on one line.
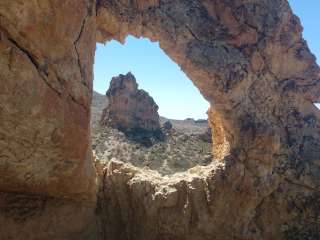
[(183, 146), (99, 102), (187, 126)]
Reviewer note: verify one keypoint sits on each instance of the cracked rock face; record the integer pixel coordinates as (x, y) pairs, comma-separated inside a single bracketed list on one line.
[(46, 71), (45, 148), (130, 109), (249, 61)]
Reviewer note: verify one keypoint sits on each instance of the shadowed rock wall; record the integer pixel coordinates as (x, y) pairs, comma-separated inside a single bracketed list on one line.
[(48, 181), (46, 71)]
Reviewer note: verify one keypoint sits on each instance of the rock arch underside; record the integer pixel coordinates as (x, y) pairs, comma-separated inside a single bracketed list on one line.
[(249, 61)]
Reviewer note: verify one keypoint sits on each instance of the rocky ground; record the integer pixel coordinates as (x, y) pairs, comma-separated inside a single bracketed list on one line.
[(181, 148)]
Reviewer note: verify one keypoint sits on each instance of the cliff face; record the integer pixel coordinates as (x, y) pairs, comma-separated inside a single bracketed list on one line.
[(130, 109), (48, 180), (46, 67), (249, 61)]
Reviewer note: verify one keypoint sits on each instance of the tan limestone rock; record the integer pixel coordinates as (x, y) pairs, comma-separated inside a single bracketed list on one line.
[(249, 61)]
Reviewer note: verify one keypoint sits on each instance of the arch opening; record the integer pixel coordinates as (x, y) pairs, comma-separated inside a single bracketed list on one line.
[(184, 139), (248, 57), (237, 54)]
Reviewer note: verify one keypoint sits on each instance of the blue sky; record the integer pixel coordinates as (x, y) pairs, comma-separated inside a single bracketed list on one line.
[(156, 73), (308, 11)]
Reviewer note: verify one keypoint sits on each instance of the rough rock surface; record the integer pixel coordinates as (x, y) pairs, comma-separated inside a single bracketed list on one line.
[(46, 71), (47, 178), (167, 125), (39, 217), (130, 109), (249, 61)]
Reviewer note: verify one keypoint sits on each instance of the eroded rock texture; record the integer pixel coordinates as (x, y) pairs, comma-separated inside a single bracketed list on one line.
[(46, 56), (46, 74), (130, 109), (38, 217), (249, 61)]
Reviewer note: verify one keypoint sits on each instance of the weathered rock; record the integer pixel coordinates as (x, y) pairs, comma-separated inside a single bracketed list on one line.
[(46, 68), (249, 61), (130, 109), (167, 125), (38, 217), (48, 180)]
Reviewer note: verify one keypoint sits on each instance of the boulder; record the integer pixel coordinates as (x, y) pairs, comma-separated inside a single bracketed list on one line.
[(167, 125)]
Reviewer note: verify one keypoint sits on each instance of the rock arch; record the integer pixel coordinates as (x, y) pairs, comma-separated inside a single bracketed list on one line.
[(249, 61)]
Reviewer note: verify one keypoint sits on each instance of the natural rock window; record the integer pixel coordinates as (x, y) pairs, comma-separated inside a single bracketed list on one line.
[(156, 73), (125, 121), (247, 58)]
